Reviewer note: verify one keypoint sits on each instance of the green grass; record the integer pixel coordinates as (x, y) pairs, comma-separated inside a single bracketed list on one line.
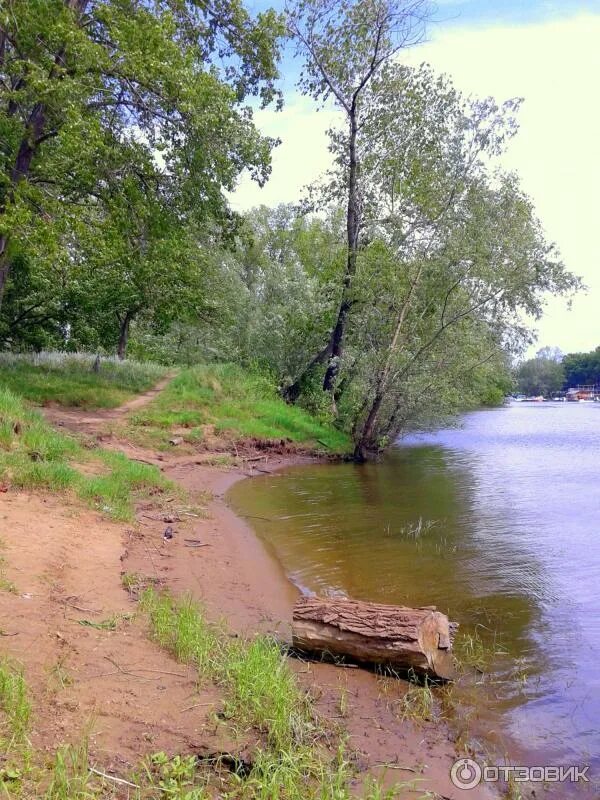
[(35, 456), (260, 692), (237, 402), (15, 707), (68, 379), (294, 763)]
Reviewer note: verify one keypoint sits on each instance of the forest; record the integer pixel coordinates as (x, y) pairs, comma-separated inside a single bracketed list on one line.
[(551, 371), (397, 290)]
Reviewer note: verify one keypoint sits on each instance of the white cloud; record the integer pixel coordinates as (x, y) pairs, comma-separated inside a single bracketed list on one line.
[(555, 67)]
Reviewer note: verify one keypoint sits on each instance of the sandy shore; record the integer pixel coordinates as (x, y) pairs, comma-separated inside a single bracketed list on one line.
[(241, 583), (240, 580)]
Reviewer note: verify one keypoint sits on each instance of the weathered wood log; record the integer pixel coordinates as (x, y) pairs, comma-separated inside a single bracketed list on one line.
[(418, 639)]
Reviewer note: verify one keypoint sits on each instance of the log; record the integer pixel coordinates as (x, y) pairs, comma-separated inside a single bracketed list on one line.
[(418, 639)]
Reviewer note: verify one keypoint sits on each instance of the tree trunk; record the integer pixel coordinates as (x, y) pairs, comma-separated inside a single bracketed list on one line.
[(417, 639), (365, 440), (33, 135), (124, 323), (4, 265), (292, 392), (352, 230)]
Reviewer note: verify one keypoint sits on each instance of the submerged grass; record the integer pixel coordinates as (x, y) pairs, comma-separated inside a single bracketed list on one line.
[(234, 401), (69, 379), (33, 455)]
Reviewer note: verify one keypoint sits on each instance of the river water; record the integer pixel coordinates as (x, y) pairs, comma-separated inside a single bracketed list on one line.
[(495, 521)]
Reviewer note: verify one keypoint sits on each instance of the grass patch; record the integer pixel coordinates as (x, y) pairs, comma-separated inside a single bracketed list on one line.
[(261, 692), (68, 379), (294, 763), (233, 401), (35, 456), (418, 703), (14, 705)]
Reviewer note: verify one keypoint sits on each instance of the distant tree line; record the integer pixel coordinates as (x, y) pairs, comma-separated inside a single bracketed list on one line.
[(551, 372)]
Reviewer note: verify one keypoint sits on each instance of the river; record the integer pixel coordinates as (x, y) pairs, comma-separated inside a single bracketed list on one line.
[(497, 522)]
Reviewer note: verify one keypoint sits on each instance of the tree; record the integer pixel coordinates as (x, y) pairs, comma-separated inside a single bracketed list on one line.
[(553, 353), (345, 44), (82, 80), (139, 254), (452, 253), (289, 266), (582, 368), (540, 376)]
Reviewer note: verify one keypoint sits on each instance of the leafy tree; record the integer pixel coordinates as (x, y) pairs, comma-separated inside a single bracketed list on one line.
[(582, 368), (540, 376), (345, 45), (554, 353), (84, 84), (451, 255)]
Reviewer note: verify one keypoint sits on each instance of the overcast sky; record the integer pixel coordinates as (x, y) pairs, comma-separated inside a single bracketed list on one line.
[(549, 54)]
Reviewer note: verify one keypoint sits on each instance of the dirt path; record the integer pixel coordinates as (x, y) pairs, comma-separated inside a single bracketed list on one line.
[(66, 564), (78, 420)]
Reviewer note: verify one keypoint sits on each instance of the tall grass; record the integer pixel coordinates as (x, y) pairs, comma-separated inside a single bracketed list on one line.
[(33, 455), (235, 401), (69, 379), (14, 705)]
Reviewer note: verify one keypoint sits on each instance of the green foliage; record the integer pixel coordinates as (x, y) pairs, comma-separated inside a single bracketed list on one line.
[(34, 455), (582, 368), (68, 379), (15, 708), (540, 376), (122, 127), (235, 401), (70, 778)]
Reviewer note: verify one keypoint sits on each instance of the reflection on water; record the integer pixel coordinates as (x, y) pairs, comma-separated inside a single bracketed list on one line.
[(496, 523)]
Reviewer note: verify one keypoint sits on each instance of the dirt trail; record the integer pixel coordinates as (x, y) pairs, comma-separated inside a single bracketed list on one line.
[(67, 563), (94, 422)]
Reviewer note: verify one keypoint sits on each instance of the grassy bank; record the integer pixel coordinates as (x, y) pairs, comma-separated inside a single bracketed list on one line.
[(69, 379), (235, 403), (35, 456)]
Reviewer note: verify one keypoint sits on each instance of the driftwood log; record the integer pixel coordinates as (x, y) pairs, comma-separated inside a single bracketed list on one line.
[(418, 639)]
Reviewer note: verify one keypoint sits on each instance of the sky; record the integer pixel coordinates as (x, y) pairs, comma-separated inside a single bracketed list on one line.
[(543, 51)]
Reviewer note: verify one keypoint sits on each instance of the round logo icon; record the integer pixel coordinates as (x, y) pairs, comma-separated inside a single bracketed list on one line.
[(465, 773)]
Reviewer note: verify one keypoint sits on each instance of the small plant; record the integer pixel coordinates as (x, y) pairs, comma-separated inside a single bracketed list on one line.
[(342, 703), (175, 777), (418, 702), (14, 704), (135, 583), (60, 675), (110, 624), (414, 530), (70, 778)]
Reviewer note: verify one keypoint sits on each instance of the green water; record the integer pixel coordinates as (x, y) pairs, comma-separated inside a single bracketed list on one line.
[(496, 523)]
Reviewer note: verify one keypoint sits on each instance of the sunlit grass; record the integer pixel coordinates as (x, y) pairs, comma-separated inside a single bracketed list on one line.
[(260, 692), (234, 401), (33, 455), (69, 379)]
